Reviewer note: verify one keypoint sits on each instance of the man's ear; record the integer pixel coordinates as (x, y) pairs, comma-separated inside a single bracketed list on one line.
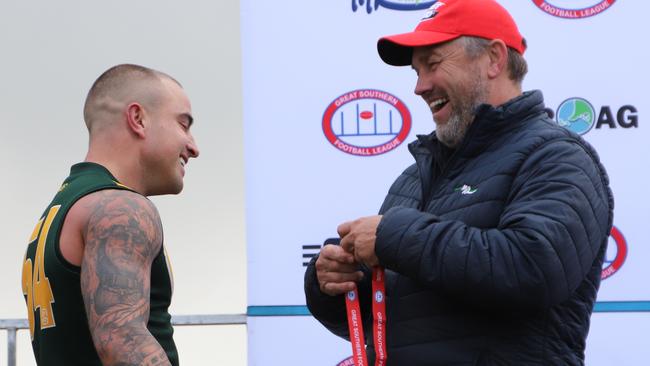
[(135, 116), (498, 54)]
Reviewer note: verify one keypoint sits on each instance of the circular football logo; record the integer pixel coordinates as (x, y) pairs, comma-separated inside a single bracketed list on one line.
[(379, 296), (576, 114), (616, 254), (351, 295), (366, 122), (574, 9)]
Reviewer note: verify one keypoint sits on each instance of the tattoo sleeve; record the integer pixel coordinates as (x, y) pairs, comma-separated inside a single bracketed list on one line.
[(122, 238)]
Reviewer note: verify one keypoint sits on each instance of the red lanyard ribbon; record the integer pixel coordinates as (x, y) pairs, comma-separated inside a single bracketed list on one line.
[(355, 325)]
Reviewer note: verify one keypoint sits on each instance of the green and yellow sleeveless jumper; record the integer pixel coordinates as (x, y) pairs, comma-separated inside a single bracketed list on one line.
[(51, 285)]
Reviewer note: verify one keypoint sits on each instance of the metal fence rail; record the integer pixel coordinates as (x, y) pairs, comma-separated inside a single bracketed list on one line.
[(13, 325)]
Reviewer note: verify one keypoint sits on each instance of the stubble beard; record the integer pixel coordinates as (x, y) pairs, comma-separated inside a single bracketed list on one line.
[(464, 101)]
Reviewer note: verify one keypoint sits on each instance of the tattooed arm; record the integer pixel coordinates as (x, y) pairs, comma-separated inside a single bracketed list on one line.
[(122, 237)]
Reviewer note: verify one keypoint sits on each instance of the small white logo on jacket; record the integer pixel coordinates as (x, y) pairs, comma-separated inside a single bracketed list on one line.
[(466, 189)]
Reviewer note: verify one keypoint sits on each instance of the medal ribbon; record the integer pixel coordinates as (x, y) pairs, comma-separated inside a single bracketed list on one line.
[(355, 325)]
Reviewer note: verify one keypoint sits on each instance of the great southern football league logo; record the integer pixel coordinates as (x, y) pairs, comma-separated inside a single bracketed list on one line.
[(574, 9), (366, 122), (616, 253)]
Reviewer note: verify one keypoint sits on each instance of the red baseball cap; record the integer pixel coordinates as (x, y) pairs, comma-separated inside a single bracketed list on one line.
[(449, 19)]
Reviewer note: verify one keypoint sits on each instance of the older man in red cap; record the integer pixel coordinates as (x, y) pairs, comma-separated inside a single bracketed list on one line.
[(491, 244)]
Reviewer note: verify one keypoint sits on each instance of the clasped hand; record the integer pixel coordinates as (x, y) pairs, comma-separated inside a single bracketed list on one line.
[(337, 267)]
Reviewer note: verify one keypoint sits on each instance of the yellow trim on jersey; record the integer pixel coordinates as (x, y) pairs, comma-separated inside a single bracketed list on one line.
[(37, 228), (122, 185)]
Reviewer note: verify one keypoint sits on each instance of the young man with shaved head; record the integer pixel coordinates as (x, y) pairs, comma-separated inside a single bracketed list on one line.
[(492, 242), (96, 278)]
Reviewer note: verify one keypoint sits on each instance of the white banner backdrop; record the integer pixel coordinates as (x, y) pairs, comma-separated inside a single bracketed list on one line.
[(326, 124)]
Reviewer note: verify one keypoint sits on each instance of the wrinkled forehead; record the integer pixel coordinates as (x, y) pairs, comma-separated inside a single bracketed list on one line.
[(422, 54)]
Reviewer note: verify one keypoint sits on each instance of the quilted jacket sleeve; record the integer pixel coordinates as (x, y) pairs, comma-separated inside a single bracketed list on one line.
[(330, 310), (557, 218)]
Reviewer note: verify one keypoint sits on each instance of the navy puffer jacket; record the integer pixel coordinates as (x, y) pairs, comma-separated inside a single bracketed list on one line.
[(493, 251)]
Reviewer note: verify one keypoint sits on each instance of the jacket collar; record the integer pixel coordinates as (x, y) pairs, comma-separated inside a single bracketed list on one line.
[(489, 123)]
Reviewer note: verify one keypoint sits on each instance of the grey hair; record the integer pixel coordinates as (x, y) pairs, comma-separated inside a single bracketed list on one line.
[(517, 66)]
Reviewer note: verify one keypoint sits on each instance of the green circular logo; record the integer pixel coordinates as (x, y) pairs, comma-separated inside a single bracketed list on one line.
[(576, 114)]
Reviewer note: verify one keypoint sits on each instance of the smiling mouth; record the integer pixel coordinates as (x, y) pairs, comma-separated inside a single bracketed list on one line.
[(438, 104)]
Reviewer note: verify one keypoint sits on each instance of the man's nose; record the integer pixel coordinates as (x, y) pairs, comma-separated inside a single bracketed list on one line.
[(421, 86), (192, 148)]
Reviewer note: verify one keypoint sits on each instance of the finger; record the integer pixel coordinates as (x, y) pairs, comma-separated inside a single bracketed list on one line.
[(344, 257), (337, 253), (347, 244), (334, 289), (340, 277), (327, 265), (344, 228), (329, 251)]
